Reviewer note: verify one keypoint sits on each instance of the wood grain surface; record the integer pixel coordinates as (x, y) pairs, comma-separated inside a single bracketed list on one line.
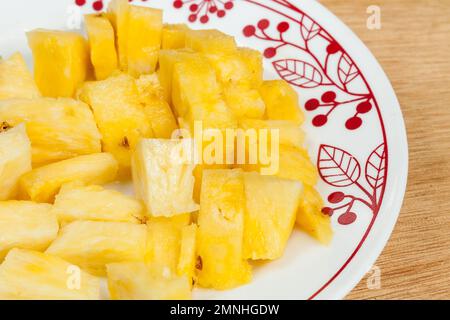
[(413, 46)]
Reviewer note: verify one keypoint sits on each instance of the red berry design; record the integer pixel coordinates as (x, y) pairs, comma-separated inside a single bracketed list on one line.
[(312, 104), (213, 9), (80, 2), (347, 218), (178, 4), (249, 31), (97, 5), (229, 5), (263, 24), (336, 197), (333, 47), (364, 107), (192, 18), (204, 19), (320, 120), (193, 7), (353, 123), (328, 211), (329, 96), (270, 52), (283, 27), (221, 13)]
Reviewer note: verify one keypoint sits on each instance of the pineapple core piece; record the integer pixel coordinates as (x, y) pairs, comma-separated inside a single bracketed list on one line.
[(61, 61), (26, 225), (102, 45), (270, 216), (144, 39), (58, 128), (96, 204), (93, 244), (281, 101), (174, 36), (119, 115), (220, 263), (32, 275), (42, 184), (162, 176), (310, 217), (15, 159), (16, 80), (118, 13), (137, 281), (210, 41)]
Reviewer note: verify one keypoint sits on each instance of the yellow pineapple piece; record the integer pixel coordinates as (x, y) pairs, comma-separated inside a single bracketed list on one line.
[(26, 225), (231, 69), (254, 62), (42, 184), (94, 244), (31, 275), (270, 215), (16, 80), (162, 176), (281, 101), (60, 61), (220, 263), (188, 252), (102, 45), (137, 281), (119, 116), (174, 36), (244, 102), (15, 159), (57, 128), (210, 41), (96, 204), (310, 217), (144, 39), (118, 13), (149, 88)]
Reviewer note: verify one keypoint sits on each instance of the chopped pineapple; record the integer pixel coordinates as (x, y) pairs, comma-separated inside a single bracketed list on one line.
[(42, 184), (310, 217), (60, 61), (149, 88), (16, 80), (210, 41), (58, 128), (174, 36), (119, 116), (15, 159), (26, 225), (162, 176), (245, 102), (93, 244), (281, 101), (270, 216), (118, 13), (96, 204), (231, 69), (137, 281), (220, 263), (31, 275), (144, 39), (102, 45), (254, 62), (188, 256)]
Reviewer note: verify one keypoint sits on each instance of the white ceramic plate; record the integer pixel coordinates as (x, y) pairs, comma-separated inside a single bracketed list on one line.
[(356, 135)]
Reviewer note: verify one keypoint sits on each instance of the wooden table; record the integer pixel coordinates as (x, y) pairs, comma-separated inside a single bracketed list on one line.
[(413, 46)]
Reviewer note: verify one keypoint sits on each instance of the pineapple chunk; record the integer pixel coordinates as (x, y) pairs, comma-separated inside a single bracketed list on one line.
[(102, 45), (26, 225), (210, 41), (220, 263), (119, 116), (254, 62), (42, 184), (310, 217), (281, 101), (270, 216), (92, 244), (144, 39), (16, 80), (162, 176), (15, 159), (60, 61), (230, 69), (188, 257), (31, 275), (58, 128), (245, 102), (96, 204), (118, 13), (174, 36), (137, 281), (149, 88)]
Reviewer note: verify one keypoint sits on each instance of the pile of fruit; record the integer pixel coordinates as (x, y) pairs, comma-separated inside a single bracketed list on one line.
[(104, 109)]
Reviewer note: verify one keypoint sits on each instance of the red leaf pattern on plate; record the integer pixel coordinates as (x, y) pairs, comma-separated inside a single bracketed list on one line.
[(298, 73), (309, 28), (337, 167), (347, 70), (375, 167)]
